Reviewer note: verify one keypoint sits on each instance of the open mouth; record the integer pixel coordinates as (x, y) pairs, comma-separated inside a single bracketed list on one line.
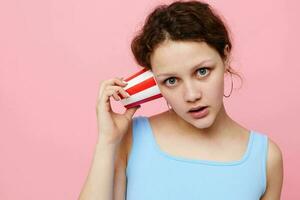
[(202, 108)]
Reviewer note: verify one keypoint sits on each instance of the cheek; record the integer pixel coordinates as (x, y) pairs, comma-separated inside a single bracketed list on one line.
[(170, 97), (216, 89), (164, 93)]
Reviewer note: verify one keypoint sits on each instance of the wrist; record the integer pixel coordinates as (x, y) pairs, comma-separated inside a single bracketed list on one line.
[(102, 144)]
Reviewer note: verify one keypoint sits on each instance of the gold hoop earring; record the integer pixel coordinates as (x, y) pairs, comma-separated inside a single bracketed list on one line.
[(230, 88)]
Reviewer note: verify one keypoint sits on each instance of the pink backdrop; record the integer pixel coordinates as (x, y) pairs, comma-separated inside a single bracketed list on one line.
[(54, 53)]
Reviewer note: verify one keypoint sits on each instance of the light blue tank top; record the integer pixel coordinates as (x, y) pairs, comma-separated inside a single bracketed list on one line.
[(155, 175)]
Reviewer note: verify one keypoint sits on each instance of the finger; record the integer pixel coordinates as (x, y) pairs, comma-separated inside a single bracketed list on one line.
[(104, 100), (117, 81), (112, 93), (130, 111), (110, 82), (116, 96), (122, 81), (123, 93), (119, 91)]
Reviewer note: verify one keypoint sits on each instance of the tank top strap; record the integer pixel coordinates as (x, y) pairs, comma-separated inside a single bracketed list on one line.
[(259, 155), (141, 146), (141, 132)]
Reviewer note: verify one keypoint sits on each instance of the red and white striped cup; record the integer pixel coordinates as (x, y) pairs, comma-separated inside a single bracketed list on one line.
[(141, 87)]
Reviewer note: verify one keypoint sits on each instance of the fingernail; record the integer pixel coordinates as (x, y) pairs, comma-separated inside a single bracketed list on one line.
[(124, 82)]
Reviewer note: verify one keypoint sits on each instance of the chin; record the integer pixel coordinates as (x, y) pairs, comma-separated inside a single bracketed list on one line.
[(202, 123)]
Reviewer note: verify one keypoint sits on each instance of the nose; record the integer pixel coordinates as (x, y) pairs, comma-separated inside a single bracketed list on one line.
[(192, 92)]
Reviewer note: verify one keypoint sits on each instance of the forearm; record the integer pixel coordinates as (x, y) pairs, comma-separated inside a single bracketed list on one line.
[(99, 183)]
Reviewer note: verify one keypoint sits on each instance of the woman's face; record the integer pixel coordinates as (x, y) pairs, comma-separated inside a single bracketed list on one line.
[(190, 74)]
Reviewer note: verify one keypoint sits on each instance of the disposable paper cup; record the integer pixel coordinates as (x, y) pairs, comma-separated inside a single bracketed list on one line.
[(141, 87)]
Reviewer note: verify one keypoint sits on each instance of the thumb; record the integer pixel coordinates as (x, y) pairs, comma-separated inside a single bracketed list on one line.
[(130, 111)]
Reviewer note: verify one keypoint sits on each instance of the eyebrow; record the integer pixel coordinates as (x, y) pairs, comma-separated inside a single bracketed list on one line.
[(197, 65)]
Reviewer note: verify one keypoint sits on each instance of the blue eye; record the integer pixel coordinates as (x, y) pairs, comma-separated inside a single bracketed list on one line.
[(204, 69), (203, 72), (172, 78)]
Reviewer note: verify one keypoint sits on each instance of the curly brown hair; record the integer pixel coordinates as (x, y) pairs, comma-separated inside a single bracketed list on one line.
[(181, 21)]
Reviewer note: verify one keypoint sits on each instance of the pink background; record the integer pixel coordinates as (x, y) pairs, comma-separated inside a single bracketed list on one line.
[(54, 53)]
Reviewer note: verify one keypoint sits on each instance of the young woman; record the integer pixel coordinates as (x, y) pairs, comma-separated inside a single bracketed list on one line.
[(195, 150)]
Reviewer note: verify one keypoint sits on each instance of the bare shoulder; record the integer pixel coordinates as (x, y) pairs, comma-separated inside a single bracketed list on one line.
[(274, 152), (274, 171), (275, 158)]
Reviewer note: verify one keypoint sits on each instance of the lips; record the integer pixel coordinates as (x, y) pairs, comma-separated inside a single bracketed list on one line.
[(201, 113), (197, 108)]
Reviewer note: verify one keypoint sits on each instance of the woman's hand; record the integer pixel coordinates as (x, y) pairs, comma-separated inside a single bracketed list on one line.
[(112, 126)]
